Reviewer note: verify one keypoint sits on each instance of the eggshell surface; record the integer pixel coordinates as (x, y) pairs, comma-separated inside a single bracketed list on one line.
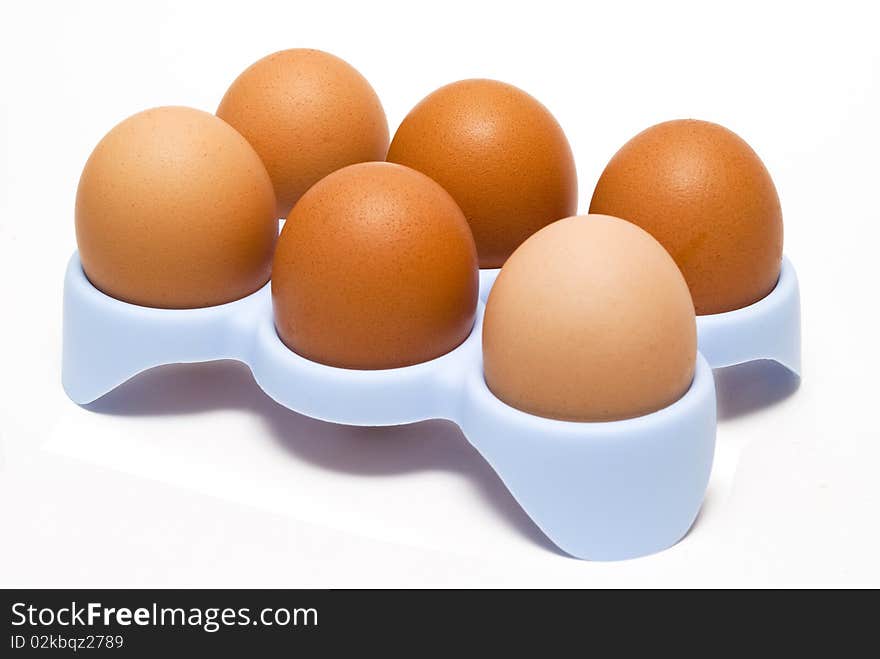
[(307, 113), (375, 268), (702, 192), (500, 154), (175, 209), (589, 320)]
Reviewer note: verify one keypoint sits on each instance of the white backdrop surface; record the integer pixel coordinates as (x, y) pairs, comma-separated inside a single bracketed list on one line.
[(189, 475)]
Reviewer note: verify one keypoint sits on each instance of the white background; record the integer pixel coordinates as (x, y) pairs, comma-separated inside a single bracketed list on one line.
[(189, 475)]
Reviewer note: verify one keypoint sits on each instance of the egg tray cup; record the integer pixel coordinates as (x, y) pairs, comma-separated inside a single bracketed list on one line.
[(599, 490)]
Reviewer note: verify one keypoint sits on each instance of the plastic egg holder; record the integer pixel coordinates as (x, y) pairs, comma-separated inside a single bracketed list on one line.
[(768, 329), (602, 491)]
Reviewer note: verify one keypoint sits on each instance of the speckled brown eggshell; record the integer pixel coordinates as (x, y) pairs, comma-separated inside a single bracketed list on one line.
[(174, 209), (589, 320), (375, 268), (500, 154), (707, 197), (307, 113)]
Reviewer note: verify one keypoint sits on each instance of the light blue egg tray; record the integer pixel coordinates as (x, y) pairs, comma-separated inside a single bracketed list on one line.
[(600, 491)]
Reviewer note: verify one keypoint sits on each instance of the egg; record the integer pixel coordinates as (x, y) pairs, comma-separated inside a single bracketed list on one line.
[(499, 153), (375, 268), (702, 192), (307, 113), (589, 320), (175, 209)]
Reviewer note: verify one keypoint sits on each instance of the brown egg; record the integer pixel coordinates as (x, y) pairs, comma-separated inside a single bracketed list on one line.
[(589, 320), (174, 209), (499, 153), (375, 268), (706, 196), (307, 113)]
